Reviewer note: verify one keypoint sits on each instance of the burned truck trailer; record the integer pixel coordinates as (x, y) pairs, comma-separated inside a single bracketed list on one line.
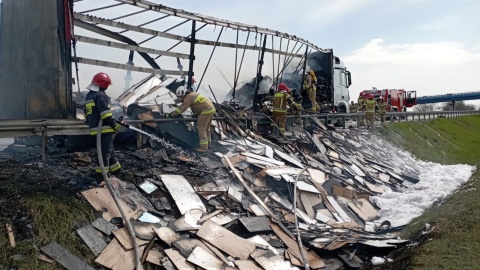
[(35, 56), (333, 81)]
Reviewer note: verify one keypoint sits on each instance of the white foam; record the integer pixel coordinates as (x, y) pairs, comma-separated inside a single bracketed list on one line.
[(437, 181)]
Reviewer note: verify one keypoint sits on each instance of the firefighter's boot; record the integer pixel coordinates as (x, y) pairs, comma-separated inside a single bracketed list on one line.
[(203, 148), (275, 131)]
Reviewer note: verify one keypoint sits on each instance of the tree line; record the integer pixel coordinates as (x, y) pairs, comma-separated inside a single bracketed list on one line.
[(446, 106)]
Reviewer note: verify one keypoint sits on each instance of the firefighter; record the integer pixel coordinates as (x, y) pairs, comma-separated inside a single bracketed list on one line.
[(280, 100), (383, 111), (310, 89), (361, 102), (201, 106), (97, 107), (370, 106), (297, 98), (353, 107)]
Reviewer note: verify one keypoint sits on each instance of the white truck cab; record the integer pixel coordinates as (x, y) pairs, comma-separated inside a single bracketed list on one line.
[(342, 80)]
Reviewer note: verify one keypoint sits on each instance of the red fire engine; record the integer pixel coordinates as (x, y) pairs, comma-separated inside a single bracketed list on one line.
[(397, 100)]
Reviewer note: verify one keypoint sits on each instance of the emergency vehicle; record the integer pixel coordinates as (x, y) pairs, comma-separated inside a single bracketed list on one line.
[(397, 100)]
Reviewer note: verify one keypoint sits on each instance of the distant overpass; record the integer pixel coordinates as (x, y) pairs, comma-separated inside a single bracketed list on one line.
[(448, 97)]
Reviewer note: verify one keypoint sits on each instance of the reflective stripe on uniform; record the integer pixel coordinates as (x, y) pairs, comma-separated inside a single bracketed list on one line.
[(370, 105), (89, 104), (105, 129), (200, 99), (115, 167), (178, 110), (208, 111), (106, 113), (99, 170), (280, 106), (203, 142)]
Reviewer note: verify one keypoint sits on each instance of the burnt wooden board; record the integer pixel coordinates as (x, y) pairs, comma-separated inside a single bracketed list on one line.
[(155, 257), (256, 224), (115, 257), (124, 238), (104, 226), (364, 209), (178, 260), (313, 259), (247, 265), (223, 239), (92, 238), (166, 234), (103, 202), (65, 257), (182, 192), (204, 259)]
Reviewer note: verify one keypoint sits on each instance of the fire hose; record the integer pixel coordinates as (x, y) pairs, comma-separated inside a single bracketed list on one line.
[(299, 239), (151, 136), (115, 198)]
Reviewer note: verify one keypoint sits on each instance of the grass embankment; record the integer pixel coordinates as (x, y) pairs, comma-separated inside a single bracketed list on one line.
[(54, 217), (445, 141), (455, 241)]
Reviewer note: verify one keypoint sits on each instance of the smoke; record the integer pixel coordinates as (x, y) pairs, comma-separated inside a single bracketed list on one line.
[(320, 62)]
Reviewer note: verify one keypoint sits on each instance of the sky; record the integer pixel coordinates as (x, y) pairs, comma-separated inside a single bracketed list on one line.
[(431, 46)]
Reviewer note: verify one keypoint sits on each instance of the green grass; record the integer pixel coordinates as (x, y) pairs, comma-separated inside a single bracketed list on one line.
[(459, 140), (455, 241), (54, 219)]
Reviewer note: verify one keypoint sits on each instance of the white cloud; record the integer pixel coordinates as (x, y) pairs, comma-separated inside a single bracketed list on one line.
[(331, 11), (429, 68), (420, 54), (441, 24)]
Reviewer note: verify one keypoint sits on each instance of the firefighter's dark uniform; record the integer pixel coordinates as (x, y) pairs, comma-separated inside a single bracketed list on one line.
[(279, 115), (97, 107), (203, 107)]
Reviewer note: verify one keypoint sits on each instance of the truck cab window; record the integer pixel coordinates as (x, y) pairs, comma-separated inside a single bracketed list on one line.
[(343, 79)]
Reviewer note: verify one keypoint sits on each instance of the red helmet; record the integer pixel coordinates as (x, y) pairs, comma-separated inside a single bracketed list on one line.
[(102, 79), (371, 96), (283, 87)]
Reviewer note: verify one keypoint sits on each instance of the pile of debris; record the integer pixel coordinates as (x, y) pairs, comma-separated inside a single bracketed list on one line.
[(235, 209)]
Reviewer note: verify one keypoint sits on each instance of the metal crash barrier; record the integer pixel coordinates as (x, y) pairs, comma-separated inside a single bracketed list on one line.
[(45, 128)]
